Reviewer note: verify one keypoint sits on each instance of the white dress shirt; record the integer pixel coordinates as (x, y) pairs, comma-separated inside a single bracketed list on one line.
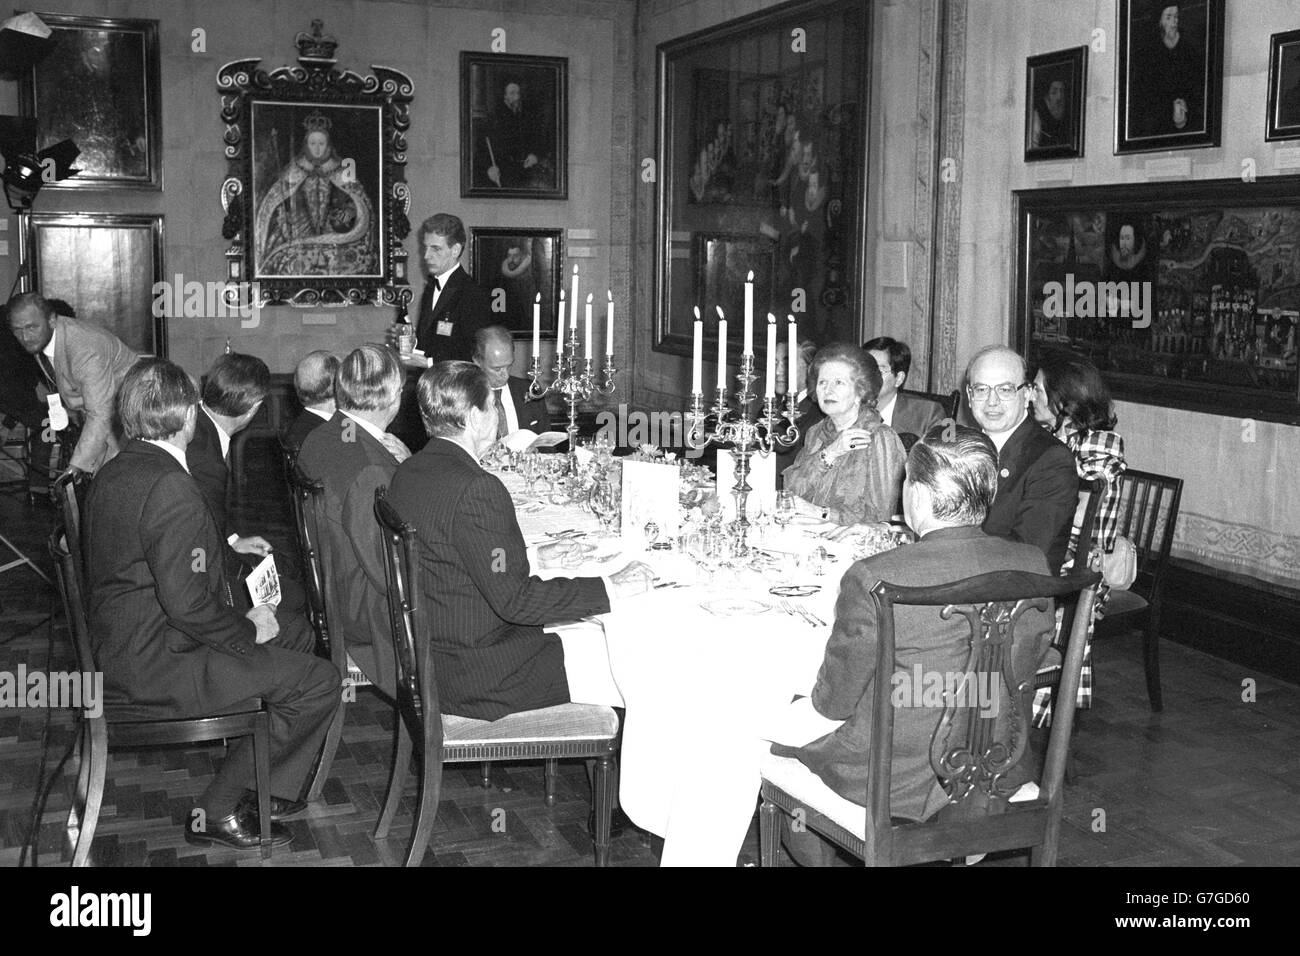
[(442, 285), (886, 412), (508, 402), (222, 438)]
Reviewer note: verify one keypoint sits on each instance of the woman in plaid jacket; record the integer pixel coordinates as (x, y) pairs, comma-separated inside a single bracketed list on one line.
[(1072, 400)]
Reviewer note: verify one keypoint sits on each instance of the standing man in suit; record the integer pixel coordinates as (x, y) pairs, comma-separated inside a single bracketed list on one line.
[(950, 487), (167, 638), (83, 366), (902, 411), (490, 654), (313, 381), (494, 353), (352, 455), (1037, 485), (452, 307)]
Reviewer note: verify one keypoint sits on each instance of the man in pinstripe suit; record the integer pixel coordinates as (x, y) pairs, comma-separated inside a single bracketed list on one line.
[(491, 656)]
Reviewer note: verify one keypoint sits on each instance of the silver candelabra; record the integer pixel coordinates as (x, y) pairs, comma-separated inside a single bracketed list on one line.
[(749, 435), (575, 381)]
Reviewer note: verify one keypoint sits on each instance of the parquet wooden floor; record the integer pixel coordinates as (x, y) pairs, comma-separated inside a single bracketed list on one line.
[(1212, 781)]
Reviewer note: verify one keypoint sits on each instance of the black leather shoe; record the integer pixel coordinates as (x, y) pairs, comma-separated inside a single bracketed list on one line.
[(618, 823), (239, 831), (282, 808)]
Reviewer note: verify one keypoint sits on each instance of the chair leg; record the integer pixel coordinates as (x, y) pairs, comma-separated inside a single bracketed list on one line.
[(98, 757), (328, 750), (1151, 639), (262, 777), (768, 839), (550, 768), (603, 797), (426, 809), (77, 811), (396, 778), (485, 774), (1045, 855)]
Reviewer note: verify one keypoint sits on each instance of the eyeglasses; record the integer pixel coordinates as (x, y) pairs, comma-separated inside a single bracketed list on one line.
[(1005, 392)]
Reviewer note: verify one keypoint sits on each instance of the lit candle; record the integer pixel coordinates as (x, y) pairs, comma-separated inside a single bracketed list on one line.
[(609, 324), (749, 314), (537, 325), (722, 349), (771, 356), (587, 347), (559, 330), (697, 355), (573, 300), (792, 386)]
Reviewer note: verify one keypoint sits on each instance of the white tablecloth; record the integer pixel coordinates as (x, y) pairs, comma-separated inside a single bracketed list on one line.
[(701, 690)]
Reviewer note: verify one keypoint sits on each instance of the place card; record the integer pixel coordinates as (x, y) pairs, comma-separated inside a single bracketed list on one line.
[(650, 493), (762, 481)]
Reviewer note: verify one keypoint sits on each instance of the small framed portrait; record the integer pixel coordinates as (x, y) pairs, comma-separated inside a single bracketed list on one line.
[(99, 88), (1169, 84), (514, 125), (515, 265), (1055, 94), (1283, 86)]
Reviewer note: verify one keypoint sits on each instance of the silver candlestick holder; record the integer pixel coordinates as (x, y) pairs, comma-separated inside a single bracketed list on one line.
[(575, 381), (771, 430)]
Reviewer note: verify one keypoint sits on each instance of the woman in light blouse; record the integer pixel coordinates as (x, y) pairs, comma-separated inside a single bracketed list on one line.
[(850, 468)]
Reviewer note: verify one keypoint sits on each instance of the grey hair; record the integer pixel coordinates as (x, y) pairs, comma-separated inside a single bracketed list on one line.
[(313, 379), (958, 466), (154, 399), (369, 379), (447, 392)]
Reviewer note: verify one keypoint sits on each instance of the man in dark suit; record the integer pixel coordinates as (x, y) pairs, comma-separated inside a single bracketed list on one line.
[(82, 365), (233, 391), (904, 412), (491, 656), (494, 353), (352, 455), (166, 636), (452, 306), (949, 488), (313, 381), (1037, 485)]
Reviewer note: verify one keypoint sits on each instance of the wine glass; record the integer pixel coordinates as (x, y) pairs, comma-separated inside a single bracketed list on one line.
[(605, 501), (786, 508)]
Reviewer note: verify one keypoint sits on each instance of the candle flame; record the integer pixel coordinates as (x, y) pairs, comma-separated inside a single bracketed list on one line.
[(750, 277), (561, 295), (719, 308), (589, 298), (609, 295), (697, 313), (538, 298), (771, 319), (575, 268)]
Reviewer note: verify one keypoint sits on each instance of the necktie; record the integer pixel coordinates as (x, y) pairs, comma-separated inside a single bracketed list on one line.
[(501, 413), (47, 369)]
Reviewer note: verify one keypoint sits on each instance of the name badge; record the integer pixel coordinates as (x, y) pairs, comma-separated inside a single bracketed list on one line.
[(58, 414), (444, 327)]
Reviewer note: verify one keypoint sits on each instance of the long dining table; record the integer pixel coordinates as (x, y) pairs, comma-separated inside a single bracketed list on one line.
[(705, 666)]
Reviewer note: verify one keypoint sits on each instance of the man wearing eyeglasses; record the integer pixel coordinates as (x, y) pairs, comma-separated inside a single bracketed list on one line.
[(1037, 485)]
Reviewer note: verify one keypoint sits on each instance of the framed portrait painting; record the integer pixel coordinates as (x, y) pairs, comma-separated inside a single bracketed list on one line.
[(316, 199), (762, 159), (104, 266), (1169, 80), (1283, 87), (514, 126), (515, 266), (1183, 294), (99, 87), (1055, 94)]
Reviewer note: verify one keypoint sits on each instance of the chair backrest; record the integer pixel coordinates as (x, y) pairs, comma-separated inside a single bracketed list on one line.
[(69, 580), (1084, 546), (974, 747), (288, 455), (1148, 511), (306, 495), (70, 489), (417, 691), (949, 401)]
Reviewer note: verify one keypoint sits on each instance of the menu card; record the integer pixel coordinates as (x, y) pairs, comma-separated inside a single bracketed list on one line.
[(762, 482), (264, 583), (650, 494)]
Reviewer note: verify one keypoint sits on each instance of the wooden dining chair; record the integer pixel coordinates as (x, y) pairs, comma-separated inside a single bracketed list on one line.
[(70, 491), (972, 751), (100, 733), (1147, 516), (308, 497), (548, 734), (948, 401)]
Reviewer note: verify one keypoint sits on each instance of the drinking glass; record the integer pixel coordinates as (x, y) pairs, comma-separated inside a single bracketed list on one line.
[(604, 501), (786, 508)]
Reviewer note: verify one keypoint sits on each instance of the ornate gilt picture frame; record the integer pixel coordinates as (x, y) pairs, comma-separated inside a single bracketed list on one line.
[(315, 198)]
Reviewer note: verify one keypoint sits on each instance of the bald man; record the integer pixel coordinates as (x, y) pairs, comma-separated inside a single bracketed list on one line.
[(494, 353), (313, 381), (1037, 485), (82, 367)]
